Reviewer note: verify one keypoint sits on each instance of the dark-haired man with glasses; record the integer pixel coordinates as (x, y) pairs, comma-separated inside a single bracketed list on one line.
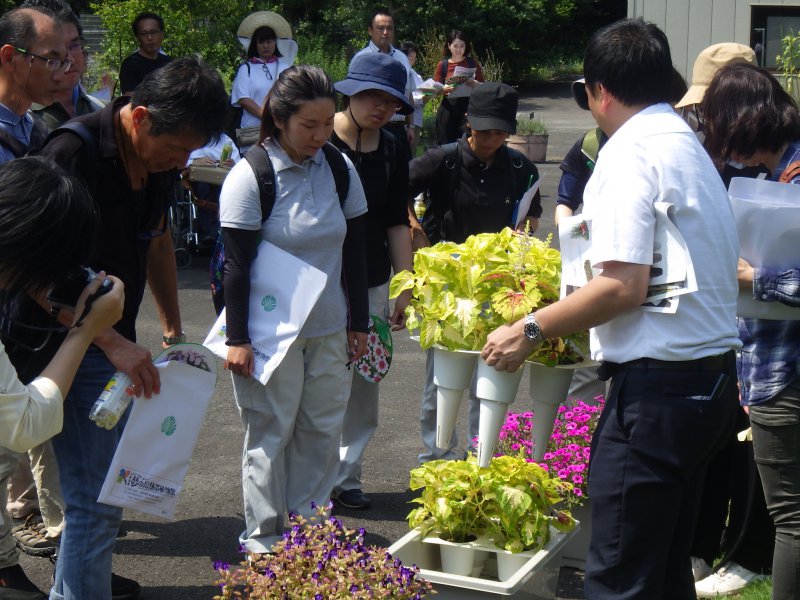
[(73, 100), (33, 63), (148, 29)]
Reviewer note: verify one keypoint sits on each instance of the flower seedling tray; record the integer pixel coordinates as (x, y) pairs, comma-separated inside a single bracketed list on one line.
[(411, 549)]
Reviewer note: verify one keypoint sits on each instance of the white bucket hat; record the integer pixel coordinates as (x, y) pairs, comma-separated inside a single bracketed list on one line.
[(283, 32)]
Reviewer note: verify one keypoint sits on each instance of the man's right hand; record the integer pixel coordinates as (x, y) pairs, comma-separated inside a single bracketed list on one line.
[(137, 363), (240, 360)]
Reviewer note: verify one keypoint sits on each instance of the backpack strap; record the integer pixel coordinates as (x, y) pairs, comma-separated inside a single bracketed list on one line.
[(443, 70), (258, 157), (340, 170), (389, 153), (791, 172), (79, 129), (35, 144), (590, 147)]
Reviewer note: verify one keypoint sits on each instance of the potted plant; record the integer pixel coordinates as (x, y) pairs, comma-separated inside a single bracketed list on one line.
[(461, 292), (531, 139), (566, 457), (504, 509), (322, 561)]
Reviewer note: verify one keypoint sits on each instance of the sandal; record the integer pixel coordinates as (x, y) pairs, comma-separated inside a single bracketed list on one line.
[(30, 537)]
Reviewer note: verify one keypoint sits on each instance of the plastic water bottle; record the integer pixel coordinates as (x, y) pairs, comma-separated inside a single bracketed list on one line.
[(226, 152), (113, 401), (419, 207)]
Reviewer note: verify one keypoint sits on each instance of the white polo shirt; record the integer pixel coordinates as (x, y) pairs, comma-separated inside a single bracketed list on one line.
[(655, 157)]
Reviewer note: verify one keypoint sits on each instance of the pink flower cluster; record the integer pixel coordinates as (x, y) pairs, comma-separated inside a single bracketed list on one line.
[(568, 451)]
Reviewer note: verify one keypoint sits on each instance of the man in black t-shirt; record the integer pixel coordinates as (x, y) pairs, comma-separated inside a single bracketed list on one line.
[(148, 29)]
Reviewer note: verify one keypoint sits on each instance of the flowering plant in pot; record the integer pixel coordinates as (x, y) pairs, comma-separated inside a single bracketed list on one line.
[(321, 561), (462, 292), (568, 450)]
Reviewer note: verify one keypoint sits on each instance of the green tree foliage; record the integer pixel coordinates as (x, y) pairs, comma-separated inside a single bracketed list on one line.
[(205, 27)]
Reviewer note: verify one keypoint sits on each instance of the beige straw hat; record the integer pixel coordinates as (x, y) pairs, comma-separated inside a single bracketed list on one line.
[(708, 62), (264, 18)]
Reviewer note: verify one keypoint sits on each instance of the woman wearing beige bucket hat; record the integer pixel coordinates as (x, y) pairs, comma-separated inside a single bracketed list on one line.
[(267, 38)]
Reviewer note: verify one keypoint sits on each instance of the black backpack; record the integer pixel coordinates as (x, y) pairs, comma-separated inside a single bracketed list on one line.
[(259, 160), (442, 194)]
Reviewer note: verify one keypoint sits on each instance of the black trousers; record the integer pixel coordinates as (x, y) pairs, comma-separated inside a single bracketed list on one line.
[(451, 120), (658, 432)]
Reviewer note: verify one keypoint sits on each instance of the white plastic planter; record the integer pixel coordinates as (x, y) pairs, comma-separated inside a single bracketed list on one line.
[(535, 579), (576, 550), (452, 373), (496, 390), (548, 390)]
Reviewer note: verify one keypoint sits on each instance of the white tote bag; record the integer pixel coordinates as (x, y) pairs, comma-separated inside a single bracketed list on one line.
[(153, 454)]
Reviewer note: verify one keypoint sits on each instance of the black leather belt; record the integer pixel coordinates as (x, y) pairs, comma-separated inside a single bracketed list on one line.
[(718, 362)]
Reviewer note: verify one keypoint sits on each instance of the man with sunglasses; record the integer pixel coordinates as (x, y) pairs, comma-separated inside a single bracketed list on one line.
[(148, 29), (33, 62), (73, 99)]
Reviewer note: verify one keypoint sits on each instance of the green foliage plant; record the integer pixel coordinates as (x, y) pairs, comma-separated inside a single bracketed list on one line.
[(527, 126), (512, 501), (788, 63), (462, 292)]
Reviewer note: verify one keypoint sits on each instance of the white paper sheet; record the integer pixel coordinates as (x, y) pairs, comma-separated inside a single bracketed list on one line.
[(524, 203), (768, 222), (152, 458), (283, 291)]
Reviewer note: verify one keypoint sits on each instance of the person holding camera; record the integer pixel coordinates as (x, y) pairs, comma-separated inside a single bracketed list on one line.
[(48, 226)]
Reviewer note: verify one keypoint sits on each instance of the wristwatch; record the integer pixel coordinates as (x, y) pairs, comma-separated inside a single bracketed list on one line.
[(171, 340), (532, 330)]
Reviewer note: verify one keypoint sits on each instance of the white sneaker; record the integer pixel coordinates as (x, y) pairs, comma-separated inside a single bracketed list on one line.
[(700, 568), (729, 579)]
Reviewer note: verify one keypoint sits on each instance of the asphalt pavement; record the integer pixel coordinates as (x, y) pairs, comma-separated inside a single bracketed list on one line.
[(173, 560)]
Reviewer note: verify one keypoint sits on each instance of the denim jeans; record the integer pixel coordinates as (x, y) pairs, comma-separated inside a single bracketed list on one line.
[(776, 445), (84, 452)]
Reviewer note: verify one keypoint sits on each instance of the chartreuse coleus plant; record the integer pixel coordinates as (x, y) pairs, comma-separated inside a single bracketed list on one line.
[(512, 501), (462, 292)]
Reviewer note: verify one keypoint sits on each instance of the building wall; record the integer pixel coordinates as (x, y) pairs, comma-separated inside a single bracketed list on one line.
[(692, 25)]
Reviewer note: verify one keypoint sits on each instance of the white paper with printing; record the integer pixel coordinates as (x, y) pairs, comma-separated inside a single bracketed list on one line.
[(768, 223), (671, 275), (152, 458), (283, 291)]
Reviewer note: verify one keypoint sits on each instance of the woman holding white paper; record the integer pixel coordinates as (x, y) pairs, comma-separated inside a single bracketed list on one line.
[(293, 423), (452, 114), (750, 119)]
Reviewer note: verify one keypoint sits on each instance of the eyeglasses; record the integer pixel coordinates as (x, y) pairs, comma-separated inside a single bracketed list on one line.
[(76, 47), (51, 64), (384, 27), (381, 99), (152, 33)]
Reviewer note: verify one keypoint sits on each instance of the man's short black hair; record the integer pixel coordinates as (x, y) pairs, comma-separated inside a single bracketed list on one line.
[(62, 10), (17, 27), (186, 94), (631, 59), (380, 12), (146, 15)]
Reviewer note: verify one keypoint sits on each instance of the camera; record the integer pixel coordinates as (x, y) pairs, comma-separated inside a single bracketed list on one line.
[(65, 293)]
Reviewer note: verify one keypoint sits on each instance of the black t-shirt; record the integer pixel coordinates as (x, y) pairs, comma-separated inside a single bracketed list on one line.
[(128, 219), (576, 173), (136, 67), (485, 198), (387, 205)]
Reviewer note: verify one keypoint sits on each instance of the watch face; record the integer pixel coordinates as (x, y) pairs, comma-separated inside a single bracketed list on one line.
[(531, 329)]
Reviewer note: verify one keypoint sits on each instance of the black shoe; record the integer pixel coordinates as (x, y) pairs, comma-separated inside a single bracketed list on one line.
[(15, 585), (354, 499), (123, 588)]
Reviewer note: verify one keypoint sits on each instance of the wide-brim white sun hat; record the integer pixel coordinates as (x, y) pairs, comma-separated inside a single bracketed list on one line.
[(283, 32)]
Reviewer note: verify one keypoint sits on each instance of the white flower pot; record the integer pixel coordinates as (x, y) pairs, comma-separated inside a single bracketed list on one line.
[(499, 386), (457, 559), (492, 417), (548, 389), (508, 564), (535, 580), (452, 373), (576, 550)]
